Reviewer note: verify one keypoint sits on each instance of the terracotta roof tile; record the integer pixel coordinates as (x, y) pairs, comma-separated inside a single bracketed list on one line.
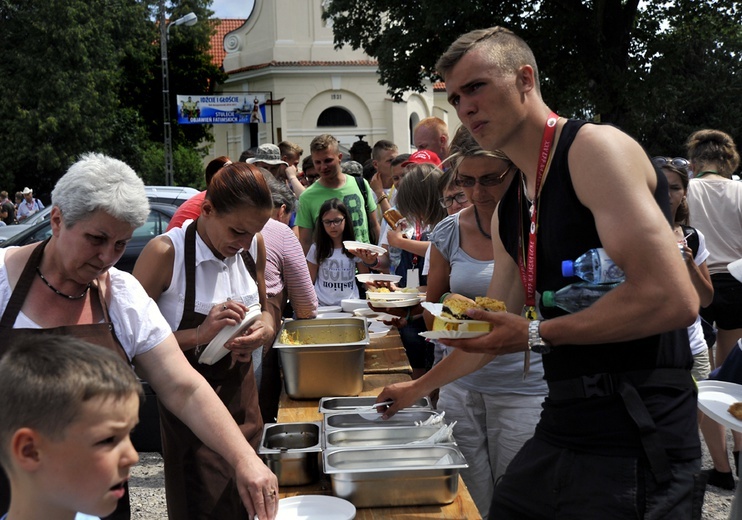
[(439, 86), (227, 25)]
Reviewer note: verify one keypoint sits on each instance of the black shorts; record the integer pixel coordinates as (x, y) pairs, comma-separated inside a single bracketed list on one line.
[(726, 307)]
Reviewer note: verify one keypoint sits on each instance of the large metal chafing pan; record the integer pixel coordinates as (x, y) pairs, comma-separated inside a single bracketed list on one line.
[(399, 476), (355, 404), (292, 451), (372, 437), (355, 420), (328, 360)]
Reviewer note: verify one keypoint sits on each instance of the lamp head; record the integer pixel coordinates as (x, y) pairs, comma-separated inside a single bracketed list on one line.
[(188, 20)]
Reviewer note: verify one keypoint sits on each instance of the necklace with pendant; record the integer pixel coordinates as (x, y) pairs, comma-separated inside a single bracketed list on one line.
[(530, 201), (50, 286), (479, 224)]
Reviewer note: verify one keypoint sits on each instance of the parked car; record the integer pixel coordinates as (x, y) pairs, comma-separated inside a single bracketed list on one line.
[(170, 194), (175, 195), (159, 218), (10, 231)]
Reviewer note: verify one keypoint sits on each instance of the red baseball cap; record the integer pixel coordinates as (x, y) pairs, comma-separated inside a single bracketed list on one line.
[(422, 157)]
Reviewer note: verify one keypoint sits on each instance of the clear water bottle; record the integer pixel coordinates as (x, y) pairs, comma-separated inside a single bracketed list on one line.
[(595, 266), (577, 296)]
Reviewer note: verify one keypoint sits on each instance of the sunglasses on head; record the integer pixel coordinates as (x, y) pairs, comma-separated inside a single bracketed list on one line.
[(677, 162), (492, 179)]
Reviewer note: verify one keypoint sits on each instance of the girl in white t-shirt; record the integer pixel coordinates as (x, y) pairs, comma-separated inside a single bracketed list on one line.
[(331, 266)]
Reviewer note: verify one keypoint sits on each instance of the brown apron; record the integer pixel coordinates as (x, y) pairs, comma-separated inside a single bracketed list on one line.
[(199, 483), (101, 334)]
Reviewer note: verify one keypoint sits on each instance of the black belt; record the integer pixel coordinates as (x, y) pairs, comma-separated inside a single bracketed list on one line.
[(625, 384)]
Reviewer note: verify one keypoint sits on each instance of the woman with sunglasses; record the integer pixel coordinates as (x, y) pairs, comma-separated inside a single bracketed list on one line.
[(495, 409)]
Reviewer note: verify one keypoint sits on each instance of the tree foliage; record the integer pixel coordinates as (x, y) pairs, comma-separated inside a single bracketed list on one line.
[(85, 75), (658, 69)]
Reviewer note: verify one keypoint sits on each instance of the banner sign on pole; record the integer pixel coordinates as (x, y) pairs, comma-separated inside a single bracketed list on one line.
[(216, 109)]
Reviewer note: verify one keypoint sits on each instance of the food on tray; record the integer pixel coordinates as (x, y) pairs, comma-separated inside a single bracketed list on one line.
[(455, 307), (469, 326), (490, 304), (379, 289), (736, 410), (292, 338)]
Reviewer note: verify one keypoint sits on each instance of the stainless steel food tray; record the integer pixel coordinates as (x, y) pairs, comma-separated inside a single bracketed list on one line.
[(292, 451), (331, 361), (352, 404), (355, 420), (401, 476), (373, 437)]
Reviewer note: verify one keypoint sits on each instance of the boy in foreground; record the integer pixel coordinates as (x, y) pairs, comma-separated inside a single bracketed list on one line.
[(66, 413)]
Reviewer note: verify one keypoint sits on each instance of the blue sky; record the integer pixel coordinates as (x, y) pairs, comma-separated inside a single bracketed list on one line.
[(232, 8)]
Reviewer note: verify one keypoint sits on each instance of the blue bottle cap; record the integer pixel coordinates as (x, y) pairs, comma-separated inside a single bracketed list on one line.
[(568, 268)]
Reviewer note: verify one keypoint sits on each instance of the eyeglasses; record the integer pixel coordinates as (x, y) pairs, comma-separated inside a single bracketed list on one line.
[(447, 202), (677, 162), (312, 177), (333, 222), (493, 179)]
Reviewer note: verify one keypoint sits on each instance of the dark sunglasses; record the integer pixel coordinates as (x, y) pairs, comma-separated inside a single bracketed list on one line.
[(677, 162), (492, 179), (447, 202)]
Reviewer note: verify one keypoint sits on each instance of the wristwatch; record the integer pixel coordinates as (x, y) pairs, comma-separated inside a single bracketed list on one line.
[(535, 342)]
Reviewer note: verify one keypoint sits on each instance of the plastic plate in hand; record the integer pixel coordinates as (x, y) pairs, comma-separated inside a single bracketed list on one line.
[(215, 350), (352, 245), (451, 334), (372, 277), (392, 304), (390, 296), (715, 398)]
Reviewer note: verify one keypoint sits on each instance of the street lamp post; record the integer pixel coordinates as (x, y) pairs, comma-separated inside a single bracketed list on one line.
[(188, 19)]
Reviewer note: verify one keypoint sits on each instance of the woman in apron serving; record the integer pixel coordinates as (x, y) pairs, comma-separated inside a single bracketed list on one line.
[(67, 285), (202, 284)]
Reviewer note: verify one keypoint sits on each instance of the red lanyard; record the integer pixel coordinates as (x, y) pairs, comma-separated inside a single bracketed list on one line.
[(418, 235), (528, 271)]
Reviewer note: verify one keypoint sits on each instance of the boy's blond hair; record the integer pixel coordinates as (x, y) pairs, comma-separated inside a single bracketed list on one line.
[(45, 379)]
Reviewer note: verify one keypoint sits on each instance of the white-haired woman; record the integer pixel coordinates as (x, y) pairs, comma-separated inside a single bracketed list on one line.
[(68, 285)]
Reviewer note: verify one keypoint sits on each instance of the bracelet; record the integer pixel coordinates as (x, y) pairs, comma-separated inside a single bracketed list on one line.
[(385, 196), (372, 265), (445, 295)]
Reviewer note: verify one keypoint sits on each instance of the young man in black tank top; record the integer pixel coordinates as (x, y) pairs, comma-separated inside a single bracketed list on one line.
[(614, 369)]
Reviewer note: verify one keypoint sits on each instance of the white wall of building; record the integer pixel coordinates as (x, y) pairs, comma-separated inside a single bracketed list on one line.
[(285, 48)]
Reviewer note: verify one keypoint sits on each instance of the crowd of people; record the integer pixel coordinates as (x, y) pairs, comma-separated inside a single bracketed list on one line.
[(559, 414)]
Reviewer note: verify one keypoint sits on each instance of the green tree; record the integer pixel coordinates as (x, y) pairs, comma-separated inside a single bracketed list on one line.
[(601, 59), (85, 75), (59, 76)]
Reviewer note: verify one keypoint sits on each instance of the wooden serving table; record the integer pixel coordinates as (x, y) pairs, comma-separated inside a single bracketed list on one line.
[(386, 368), (386, 355)]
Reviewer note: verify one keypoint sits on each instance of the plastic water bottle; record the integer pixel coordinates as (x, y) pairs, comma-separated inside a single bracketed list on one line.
[(595, 266), (577, 296)]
